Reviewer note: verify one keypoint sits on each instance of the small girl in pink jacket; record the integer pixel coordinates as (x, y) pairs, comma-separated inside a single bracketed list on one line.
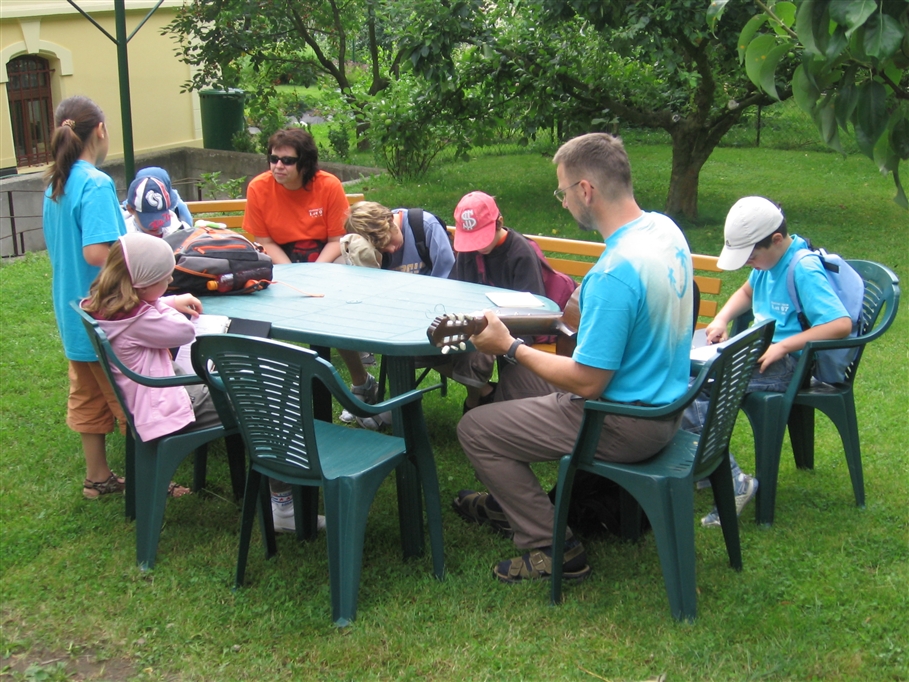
[(142, 325)]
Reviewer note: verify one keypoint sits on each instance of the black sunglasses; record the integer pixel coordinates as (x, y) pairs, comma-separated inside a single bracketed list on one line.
[(286, 160)]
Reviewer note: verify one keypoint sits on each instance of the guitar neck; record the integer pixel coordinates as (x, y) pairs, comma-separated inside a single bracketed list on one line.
[(522, 322)]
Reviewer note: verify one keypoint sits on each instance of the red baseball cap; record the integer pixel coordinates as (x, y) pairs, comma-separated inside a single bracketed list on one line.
[(475, 222)]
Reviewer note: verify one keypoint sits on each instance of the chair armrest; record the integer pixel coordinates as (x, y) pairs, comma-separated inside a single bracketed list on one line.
[(353, 404), (648, 412), (157, 382)]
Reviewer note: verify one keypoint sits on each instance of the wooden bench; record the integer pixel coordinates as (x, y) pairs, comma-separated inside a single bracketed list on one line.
[(571, 256)]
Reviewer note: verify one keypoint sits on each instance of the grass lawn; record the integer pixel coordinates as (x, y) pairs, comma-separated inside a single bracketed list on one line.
[(824, 594)]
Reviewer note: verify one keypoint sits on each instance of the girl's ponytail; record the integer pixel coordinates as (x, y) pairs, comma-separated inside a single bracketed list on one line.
[(75, 118)]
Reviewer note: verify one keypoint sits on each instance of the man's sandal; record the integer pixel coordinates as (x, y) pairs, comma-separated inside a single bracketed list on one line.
[(475, 507), (175, 491), (537, 565), (92, 490)]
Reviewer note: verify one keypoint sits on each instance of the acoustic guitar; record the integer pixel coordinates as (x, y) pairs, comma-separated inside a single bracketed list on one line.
[(452, 331)]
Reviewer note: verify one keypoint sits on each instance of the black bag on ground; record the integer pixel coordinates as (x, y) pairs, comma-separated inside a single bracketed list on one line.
[(217, 261), (596, 506)]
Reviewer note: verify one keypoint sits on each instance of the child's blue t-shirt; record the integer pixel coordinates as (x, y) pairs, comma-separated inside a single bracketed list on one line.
[(407, 258), (771, 300), (636, 312), (87, 213)]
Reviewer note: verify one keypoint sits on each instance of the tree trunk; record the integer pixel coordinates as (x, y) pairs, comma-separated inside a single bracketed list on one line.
[(691, 147)]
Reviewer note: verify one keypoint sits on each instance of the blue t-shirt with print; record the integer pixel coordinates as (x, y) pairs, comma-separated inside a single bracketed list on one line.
[(636, 312), (407, 258), (87, 213), (770, 298)]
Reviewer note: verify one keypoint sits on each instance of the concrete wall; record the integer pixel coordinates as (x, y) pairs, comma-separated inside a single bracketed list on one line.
[(22, 196), (84, 62)]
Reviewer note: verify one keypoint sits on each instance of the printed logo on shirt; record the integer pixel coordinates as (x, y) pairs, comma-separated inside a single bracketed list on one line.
[(468, 222), (413, 268), (315, 213), (780, 307)]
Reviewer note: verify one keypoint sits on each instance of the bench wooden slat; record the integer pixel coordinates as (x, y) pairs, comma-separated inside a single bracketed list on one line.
[(708, 285)]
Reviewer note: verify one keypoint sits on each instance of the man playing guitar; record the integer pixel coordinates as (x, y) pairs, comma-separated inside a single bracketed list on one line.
[(632, 346)]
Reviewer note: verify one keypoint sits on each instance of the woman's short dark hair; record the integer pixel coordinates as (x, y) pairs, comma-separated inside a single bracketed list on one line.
[(765, 242), (305, 147)]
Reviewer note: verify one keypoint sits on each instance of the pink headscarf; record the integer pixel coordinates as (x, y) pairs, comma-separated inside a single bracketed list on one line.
[(148, 259)]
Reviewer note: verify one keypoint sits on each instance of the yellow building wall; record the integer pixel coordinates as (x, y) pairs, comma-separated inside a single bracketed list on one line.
[(162, 116)]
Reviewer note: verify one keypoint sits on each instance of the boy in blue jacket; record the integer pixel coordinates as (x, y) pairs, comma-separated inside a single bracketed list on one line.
[(756, 235)]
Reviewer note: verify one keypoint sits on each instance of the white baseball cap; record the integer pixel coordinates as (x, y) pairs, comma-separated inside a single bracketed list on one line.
[(749, 220)]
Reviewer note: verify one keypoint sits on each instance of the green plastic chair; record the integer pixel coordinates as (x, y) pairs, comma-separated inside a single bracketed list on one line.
[(270, 385), (770, 413), (150, 465), (664, 484)]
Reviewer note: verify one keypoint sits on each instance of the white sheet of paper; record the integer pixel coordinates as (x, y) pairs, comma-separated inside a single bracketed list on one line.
[(204, 324), (514, 299), (700, 351)]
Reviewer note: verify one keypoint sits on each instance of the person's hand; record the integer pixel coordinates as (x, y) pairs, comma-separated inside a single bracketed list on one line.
[(716, 332), (495, 339), (188, 305), (775, 352)]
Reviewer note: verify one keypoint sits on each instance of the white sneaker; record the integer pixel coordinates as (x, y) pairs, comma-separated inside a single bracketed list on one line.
[(746, 487), (284, 521), (375, 423), (368, 393)]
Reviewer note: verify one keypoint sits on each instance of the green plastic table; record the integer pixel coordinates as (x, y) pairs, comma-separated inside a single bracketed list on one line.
[(364, 309)]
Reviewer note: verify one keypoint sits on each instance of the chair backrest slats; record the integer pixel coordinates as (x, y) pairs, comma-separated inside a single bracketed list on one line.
[(731, 372), (882, 295), (103, 350), (270, 386)]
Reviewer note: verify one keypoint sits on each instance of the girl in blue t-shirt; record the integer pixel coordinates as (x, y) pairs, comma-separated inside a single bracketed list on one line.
[(81, 219)]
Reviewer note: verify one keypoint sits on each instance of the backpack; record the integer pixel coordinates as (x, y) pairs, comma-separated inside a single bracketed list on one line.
[(830, 365), (557, 285), (596, 505), (415, 218), (211, 260)]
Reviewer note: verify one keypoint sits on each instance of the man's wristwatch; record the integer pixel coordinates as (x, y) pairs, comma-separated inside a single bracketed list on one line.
[(509, 354)]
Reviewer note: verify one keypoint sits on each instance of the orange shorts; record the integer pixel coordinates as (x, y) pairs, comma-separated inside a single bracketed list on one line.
[(92, 405)]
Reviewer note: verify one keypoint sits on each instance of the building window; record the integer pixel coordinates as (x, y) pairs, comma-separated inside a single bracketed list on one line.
[(31, 109)]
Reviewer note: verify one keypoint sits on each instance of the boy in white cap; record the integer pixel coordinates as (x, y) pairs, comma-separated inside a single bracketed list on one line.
[(756, 235)]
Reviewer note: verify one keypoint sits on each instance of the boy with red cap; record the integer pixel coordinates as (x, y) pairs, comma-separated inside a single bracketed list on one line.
[(490, 253)]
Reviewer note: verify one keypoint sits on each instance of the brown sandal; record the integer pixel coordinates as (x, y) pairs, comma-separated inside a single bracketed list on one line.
[(92, 490)]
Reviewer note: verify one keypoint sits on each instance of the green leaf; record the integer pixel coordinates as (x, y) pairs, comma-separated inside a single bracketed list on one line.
[(768, 70), (851, 14), (812, 25), (837, 44), (899, 138), (883, 36), (893, 72), (804, 91), (757, 55), (825, 119), (872, 109), (751, 27), (715, 11), (785, 12), (846, 99), (900, 197), (884, 156)]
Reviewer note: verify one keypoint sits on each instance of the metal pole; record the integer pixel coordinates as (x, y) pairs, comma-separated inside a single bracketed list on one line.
[(126, 115)]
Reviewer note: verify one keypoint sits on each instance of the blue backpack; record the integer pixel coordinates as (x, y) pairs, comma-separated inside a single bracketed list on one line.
[(830, 365)]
